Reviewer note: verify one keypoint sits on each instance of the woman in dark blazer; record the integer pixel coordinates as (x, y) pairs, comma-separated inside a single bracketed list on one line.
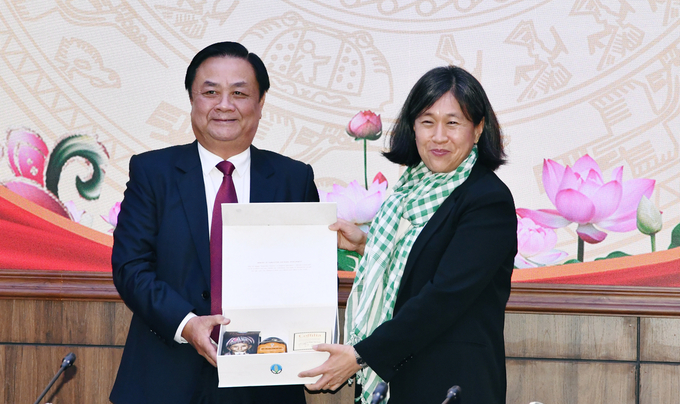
[(428, 304)]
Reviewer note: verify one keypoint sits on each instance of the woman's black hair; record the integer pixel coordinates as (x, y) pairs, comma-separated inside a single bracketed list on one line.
[(473, 102), (231, 49)]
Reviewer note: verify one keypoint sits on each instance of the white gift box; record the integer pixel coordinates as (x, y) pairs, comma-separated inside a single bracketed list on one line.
[(279, 278)]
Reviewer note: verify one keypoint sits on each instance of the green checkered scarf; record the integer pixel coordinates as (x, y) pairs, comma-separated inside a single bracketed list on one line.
[(416, 197)]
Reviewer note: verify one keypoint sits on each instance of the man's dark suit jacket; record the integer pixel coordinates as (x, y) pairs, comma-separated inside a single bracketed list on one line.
[(161, 262), (448, 321)]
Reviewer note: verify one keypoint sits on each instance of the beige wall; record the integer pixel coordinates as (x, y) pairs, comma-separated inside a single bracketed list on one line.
[(565, 77)]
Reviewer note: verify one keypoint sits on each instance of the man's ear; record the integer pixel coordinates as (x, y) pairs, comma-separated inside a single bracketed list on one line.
[(262, 103)]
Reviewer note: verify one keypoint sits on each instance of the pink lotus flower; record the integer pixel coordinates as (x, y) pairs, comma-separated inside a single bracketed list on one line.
[(112, 218), (365, 125), (355, 203), (581, 196), (76, 214), (535, 245)]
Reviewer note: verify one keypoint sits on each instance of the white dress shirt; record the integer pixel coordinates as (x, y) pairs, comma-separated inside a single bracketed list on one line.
[(212, 178)]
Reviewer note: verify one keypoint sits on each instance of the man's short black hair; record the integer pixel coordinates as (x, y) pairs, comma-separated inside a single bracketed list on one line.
[(230, 49)]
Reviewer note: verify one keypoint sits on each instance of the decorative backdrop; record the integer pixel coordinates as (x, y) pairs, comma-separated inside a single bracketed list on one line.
[(566, 78)]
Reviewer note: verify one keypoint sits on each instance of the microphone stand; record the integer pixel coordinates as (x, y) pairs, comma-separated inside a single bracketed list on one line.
[(65, 363)]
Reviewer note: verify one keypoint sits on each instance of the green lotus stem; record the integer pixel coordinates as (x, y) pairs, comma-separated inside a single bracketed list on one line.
[(365, 167), (579, 252), (84, 146), (652, 237)]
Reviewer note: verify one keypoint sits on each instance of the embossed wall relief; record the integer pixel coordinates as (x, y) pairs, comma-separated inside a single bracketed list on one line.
[(566, 78)]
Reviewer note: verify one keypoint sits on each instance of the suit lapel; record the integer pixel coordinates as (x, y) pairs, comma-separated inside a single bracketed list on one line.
[(436, 221), (262, 186), (192, 193)]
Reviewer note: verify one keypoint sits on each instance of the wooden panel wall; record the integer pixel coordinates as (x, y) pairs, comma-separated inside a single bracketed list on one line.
[(35, 335), (563, 345), (27, 369), (576, 359), (660, 360)]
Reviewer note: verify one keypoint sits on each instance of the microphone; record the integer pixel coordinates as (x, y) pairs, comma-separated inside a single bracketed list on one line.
[(65, 363), (68, 360), (379, 393), (452, 395)]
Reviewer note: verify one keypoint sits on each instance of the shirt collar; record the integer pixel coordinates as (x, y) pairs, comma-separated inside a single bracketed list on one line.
[(209, 160)]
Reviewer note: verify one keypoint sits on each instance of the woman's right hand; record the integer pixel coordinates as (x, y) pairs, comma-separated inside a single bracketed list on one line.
[(350, 236)]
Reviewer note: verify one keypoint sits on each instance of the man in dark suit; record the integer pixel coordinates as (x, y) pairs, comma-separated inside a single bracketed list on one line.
[(161, 251)]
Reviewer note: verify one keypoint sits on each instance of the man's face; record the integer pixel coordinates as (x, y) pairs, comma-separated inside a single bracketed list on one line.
[(225, 106)]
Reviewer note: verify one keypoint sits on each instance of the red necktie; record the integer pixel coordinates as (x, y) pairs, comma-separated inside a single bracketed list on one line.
[(226, 194)]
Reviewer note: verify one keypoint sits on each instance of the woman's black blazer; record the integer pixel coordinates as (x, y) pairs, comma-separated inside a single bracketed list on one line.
[(448, 321)]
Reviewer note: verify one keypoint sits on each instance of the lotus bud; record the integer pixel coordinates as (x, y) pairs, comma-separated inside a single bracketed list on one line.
[(648, 217), (365, 125), (380, 178)]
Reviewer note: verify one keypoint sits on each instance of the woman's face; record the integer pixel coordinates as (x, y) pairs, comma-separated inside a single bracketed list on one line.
[(444, 136)]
